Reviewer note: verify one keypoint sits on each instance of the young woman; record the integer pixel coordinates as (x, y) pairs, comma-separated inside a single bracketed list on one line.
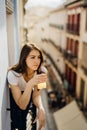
[(23, 79)]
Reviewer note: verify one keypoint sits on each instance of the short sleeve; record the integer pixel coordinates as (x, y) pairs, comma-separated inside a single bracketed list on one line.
[(12, 78)]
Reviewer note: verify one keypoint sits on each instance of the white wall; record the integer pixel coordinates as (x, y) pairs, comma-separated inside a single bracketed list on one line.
[(4, 115), (9, 53)]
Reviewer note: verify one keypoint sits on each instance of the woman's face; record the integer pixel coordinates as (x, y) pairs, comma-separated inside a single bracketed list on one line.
[(33, 60)]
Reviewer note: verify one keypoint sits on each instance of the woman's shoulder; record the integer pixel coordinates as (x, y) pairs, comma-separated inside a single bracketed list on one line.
[(13, 76), (12, 72)]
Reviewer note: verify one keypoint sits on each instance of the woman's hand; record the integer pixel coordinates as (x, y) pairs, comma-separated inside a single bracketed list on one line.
[(39, 78), (41, 118)]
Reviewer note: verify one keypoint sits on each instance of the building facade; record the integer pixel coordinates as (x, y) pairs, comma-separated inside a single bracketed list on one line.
[(75, 71)]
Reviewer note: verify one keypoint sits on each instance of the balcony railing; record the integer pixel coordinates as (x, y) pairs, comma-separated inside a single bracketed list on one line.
[(9, 6), (61, 27), (72, 58), (73, 28)]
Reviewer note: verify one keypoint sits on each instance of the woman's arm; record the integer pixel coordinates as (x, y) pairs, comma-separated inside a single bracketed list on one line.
[(37, 98), (22, 100)]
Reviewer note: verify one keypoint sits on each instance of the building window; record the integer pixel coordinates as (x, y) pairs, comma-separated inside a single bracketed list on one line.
[(68, 25), (73, 18), (73, 81), (78, 24), (75, 48)]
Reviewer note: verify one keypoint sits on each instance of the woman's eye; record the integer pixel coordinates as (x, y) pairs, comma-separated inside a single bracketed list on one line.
[(32, 57), (39, 57)]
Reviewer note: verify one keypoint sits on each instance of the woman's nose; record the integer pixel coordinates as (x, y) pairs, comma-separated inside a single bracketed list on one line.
[(37, 60)]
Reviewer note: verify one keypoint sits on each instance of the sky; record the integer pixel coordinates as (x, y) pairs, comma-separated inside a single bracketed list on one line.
[(47, 3)]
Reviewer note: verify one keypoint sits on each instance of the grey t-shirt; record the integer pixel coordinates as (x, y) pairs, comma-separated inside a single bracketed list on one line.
[(16, 79)]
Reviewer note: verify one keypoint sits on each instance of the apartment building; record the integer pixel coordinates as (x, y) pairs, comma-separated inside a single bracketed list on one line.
[(75, 52)]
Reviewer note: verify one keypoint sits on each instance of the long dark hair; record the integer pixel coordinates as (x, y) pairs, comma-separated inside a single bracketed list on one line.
[(21, 67)]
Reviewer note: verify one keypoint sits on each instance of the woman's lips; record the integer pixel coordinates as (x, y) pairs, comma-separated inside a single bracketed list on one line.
[(36, 65)]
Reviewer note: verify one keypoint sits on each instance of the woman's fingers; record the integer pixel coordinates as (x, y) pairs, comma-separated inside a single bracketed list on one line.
[(41, 118), (39, 78), (40, 127), (41, 124), (35, 120), (42, 78)]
